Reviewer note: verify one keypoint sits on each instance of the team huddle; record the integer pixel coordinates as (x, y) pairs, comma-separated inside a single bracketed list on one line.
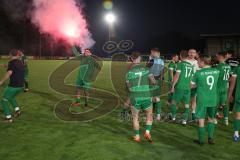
[(203, 87)]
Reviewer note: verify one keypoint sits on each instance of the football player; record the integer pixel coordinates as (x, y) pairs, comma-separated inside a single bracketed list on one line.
[(87, 67), (233, 61), (24, 60), (172, 66), (235, 80), (192, 58), (138, 80), (15, 72), (181, 86), (223, 84), (156, 68), (205, 80)]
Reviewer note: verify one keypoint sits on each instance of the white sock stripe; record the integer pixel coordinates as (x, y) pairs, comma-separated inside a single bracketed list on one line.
[(8, 116), (17, 109), (236, 133), (186, 105)]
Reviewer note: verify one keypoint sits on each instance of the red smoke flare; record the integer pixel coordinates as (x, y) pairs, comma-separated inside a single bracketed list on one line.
[(62, 19)]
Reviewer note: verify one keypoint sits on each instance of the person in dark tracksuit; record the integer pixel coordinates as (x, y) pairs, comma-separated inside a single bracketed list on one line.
[(15, 72)]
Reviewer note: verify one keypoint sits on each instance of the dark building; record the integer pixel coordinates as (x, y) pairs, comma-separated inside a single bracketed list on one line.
[(221, 42)]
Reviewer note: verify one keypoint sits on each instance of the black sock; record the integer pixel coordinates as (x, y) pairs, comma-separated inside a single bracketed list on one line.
[(26, 84), (231, 107)]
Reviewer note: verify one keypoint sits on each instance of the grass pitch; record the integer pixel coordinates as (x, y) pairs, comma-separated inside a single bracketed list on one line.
[(39, 135)]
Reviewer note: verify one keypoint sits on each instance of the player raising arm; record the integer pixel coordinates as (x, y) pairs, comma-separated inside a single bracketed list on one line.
[(87, 73), (205, 80), (235, 79), (15, 72), (181, 86), (138, 80)]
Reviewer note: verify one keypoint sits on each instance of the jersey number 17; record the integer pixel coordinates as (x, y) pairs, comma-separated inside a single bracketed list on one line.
[(188, 72)]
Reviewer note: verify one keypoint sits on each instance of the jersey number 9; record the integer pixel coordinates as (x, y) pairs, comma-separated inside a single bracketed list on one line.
[(210, 82)]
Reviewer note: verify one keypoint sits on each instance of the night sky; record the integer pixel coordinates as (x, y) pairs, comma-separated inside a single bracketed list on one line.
[(170, 25)]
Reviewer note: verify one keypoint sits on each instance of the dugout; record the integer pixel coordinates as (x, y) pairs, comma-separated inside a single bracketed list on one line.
[(215, 43)]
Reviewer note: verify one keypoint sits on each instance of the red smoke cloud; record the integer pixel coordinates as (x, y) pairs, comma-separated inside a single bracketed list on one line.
[(62, 19)]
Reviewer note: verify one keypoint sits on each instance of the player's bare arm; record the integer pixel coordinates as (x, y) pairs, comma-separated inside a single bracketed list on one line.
[(6, 77), (175, 80), (171, 73), (193, 85), (232, 86), (152, 79)]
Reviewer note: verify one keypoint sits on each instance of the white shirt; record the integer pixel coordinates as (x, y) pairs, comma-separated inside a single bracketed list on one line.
[(194, 63)]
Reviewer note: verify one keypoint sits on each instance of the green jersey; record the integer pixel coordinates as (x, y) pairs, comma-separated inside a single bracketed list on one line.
[(223, 81), (171, 67), (75, 51), (88, 67), (138, 79), (206, 80), (236, 73), (186, 71)]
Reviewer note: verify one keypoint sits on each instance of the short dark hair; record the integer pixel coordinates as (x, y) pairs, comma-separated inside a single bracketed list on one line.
[(135, 55), (184, 54), (174, 55), (206, 59), (155, 49), (88, 49), (224, 53), (231, 52), (192, 49), (15, 52)]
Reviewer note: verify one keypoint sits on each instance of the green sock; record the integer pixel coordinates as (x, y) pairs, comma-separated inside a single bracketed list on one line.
[(158, 107), (124, 109), (186, 114), (236, 124), (148, 128), (77, 100), (169, 97), (225, 112), (210, 127), (201, 134), (137, 132), (154, 105), (5, 107), (173, 110), (193, 116)]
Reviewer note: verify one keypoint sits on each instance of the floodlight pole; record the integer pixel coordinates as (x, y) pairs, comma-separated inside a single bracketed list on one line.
[(110, 19), (40, 46), (109, 31)]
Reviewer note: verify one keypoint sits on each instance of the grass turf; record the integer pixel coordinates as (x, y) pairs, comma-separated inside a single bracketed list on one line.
[(39, 135)]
